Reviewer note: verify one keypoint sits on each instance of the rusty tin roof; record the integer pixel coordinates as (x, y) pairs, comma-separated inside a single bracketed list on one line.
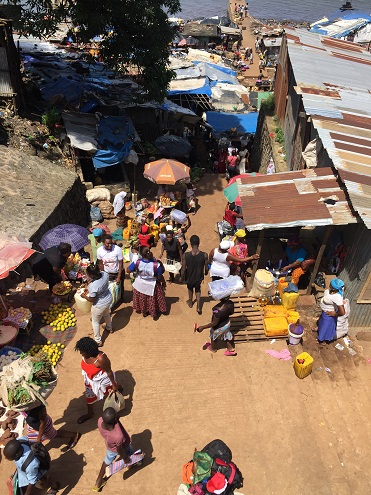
[(333, 78), (311, 197)]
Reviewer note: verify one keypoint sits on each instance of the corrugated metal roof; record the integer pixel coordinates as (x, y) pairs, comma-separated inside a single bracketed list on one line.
[(293, 199), (337, 94), (6, 88)]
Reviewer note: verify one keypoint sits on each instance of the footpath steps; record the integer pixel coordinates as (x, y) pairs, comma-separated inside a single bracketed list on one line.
[(337, 404)]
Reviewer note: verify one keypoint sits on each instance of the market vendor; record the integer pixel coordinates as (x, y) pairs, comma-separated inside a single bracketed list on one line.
[(295, 253), (110, 258), (231, 215), (95, 239), (48, 265)]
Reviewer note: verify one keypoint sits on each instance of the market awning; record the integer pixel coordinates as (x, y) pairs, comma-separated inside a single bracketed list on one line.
[(243, 122), (293, 199)]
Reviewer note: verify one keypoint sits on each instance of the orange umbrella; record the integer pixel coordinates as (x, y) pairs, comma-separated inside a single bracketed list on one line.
[(166, 171)]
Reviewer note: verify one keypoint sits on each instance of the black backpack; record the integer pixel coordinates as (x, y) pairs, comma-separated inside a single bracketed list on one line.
[(217, 448), (231, 472), (37, 450)]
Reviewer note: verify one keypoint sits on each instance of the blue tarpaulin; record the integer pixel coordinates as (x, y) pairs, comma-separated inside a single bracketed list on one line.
[(116, 136), (203, 90), (222, 121), (72, 90)]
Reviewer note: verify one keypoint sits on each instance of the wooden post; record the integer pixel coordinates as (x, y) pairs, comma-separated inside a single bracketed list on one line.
[(256, 263), (319, 257)]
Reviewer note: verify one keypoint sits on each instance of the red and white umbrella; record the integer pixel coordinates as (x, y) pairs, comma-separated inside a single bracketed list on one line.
[(13, 252)]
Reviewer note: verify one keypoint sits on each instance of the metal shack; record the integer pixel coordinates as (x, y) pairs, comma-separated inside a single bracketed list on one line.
[(323, 103)]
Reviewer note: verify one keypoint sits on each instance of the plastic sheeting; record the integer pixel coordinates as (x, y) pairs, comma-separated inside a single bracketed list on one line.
[(116, 136), (81, 129), (339, 24), (71, 90), (243, 122), (173, 146)]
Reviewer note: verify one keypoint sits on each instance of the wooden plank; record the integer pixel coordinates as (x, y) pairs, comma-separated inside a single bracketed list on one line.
[(319, 257)]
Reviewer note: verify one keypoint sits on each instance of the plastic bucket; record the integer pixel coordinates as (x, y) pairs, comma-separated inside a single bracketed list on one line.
[(82, 304), (294, 339)]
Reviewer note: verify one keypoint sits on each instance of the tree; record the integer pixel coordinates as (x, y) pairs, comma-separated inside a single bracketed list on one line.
[(134, 33)]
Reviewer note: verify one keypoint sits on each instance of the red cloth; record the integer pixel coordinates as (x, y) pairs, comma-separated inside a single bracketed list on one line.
[(230, 217), (90, 369), (152, 305), (144, 239), (232, 161)]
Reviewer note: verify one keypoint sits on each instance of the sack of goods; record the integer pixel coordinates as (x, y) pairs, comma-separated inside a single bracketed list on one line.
[(226, 287), (211, 471), (263, 284), (107, 209), (178, 216)]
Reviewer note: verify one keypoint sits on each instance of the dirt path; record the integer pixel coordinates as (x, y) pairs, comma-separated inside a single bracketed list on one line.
[(287, 436)]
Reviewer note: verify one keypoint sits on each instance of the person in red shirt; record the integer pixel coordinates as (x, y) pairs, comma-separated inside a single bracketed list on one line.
[(117, 440), (230, 215), (232, 161), (145, 238)]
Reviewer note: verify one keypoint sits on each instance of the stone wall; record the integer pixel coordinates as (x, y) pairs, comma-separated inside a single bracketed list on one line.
[(73, 208), (262, 150)]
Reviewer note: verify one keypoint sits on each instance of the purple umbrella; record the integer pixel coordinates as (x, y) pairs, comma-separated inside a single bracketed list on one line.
[(75, 235)]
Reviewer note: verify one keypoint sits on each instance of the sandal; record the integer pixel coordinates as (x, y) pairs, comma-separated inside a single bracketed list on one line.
[(189, 303), (207, 347), (83, 418), (199, 311), (53, 491), (72, 443), (230, 353), (99, 488)]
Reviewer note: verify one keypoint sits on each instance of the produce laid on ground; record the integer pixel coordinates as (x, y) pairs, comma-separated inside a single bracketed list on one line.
[(27, 381), (59, 317), (19, 315), (52, 352), (11, 425), (8, 355), (62, 288)]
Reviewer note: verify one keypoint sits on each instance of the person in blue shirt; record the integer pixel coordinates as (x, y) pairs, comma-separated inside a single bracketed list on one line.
[(33, 478), (295, 253)]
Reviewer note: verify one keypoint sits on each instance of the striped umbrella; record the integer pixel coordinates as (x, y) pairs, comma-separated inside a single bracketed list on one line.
[(166, 171)]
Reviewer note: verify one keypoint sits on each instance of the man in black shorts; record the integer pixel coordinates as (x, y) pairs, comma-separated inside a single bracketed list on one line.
[(194, 269)]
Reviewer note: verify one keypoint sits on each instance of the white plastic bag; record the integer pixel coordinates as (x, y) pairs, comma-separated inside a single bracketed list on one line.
[(178, 216), (226, 287), (98, 194)]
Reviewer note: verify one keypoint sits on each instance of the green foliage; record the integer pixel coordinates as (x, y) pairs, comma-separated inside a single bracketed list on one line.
[(280, 138), (50, 118), (135, 33), (268, 102)]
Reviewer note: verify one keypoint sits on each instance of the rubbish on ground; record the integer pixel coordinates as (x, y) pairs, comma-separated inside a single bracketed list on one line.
[(347, 341), (319, 369), (328, 370), (273, 341), (284, 354), (369, 361), (339, 346), (351, 351)]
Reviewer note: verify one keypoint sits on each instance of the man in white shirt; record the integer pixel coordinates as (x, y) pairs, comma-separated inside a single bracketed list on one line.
[(110, 258)]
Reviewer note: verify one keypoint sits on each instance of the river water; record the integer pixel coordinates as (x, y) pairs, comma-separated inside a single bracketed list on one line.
[(304, 10)]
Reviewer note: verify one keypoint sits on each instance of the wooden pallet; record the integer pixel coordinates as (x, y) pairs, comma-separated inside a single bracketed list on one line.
[(247, 321)]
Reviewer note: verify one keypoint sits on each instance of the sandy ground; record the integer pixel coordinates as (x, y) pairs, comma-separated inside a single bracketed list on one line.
[(288, 436)]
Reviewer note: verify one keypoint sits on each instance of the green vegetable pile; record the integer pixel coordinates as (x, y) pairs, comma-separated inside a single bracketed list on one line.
[(18, 396), (196, 173)]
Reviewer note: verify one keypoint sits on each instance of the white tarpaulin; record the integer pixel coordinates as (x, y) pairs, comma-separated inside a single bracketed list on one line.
[(81, 129)]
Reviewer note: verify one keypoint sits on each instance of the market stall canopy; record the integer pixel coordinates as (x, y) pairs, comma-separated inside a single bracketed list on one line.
[(81, 129), (294, 199), (242, 122), (166, 171), (231, 191), (13, 252), (75, 235), (173, 146)]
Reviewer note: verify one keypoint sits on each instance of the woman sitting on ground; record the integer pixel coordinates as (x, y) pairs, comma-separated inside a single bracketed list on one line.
[(149, 285), (220, 327), (40, 428), (98, 376)]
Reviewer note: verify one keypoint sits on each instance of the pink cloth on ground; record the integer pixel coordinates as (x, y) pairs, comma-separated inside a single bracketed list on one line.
[(284, 354)]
